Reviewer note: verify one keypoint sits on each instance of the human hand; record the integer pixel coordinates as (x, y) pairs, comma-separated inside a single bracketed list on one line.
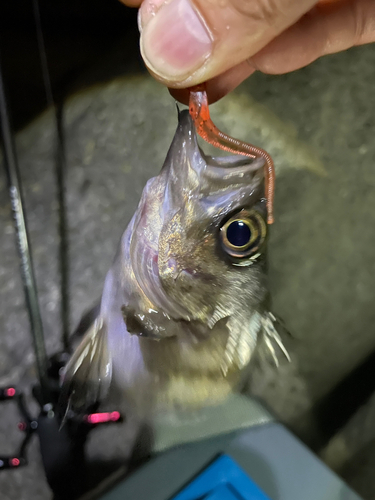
[(186, 42)]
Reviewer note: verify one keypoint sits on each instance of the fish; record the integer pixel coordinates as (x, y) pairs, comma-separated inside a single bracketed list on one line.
[(185, 303)]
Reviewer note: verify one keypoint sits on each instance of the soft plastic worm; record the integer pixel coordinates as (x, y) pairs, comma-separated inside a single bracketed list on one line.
[(198, 107)]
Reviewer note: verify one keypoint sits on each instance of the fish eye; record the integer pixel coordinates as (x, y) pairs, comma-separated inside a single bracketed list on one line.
[(243, 234)]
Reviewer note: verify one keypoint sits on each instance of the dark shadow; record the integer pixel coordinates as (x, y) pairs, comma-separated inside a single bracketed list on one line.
[(77, 36), (336, 409)]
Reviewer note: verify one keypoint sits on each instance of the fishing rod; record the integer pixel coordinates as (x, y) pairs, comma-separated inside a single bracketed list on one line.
[(23, 244), (62, 452), (62, 447)]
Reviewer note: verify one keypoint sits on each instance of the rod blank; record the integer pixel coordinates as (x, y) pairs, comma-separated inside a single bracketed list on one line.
[(23, 244)]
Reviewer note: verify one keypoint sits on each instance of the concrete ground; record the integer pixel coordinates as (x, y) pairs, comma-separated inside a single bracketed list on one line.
[(318, 124)]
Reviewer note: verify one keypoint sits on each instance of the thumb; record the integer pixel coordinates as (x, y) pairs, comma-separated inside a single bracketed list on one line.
[(186, 42)]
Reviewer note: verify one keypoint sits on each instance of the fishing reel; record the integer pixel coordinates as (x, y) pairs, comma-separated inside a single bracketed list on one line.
[(62, 441)]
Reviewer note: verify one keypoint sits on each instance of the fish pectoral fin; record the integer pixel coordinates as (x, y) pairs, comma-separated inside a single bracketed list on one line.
[(272, 339), (241, 342), (87, 320), (87, 376)]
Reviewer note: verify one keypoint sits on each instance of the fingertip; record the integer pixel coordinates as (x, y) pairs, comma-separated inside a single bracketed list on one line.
[(214, 93), (181, 95), (131, 3), (219, 86)]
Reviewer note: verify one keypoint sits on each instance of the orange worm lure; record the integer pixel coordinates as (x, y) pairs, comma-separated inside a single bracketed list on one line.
[(198, 107)]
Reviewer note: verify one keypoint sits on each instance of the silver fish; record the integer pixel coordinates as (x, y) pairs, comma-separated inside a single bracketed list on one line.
[(183, 305)]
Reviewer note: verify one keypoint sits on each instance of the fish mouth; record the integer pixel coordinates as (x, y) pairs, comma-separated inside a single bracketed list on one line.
[(233, 165), (231, 174), (190, 169)]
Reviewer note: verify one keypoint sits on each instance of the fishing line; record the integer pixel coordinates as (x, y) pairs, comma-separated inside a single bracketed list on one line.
[(60, 169), (43, 55)]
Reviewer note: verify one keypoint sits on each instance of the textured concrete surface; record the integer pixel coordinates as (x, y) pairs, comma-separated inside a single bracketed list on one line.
[(317, 123)]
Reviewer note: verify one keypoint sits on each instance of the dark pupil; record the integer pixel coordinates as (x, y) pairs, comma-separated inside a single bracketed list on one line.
[(238, 233)]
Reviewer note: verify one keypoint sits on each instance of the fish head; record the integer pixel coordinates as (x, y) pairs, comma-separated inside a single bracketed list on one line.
[(198, 242)]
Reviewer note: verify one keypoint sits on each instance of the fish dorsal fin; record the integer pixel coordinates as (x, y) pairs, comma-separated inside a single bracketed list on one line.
[(88, 374)]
